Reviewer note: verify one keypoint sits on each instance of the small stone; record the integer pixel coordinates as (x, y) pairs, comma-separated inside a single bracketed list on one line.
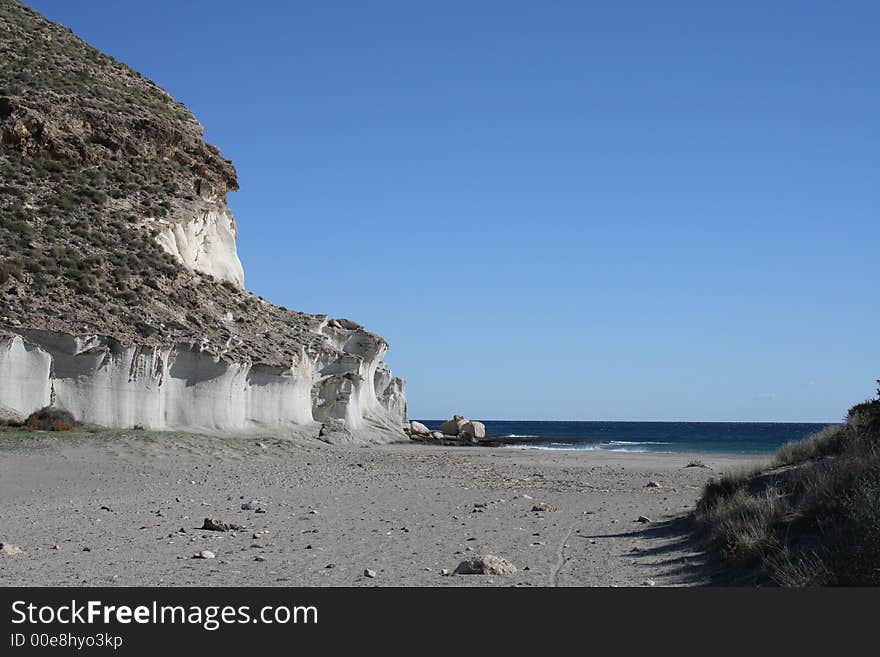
[(644, 519), (445, 572), (486, 564), (217, 526), (56, 547), (369, 573), (10, 550), (542, 507), (250, 506), (204, 554), (650, 582), (259, 557), (312, 512), (653, 484)]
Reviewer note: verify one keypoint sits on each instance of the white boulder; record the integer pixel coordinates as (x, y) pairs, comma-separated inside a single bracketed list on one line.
[(453, 427), (474, 429), (418, 428)]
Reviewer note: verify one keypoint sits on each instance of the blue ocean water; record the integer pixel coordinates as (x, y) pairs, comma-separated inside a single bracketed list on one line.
[(718, 437)]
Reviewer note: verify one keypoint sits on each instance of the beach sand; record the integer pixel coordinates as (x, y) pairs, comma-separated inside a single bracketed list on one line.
[(405, 511)]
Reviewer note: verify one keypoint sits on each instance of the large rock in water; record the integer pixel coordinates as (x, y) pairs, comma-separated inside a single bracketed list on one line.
[(121, 291), (453, 427), (464, 428), (474, 430)]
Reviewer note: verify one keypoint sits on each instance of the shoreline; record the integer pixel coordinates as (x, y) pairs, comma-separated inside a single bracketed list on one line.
[(696, 454), (107, 509)]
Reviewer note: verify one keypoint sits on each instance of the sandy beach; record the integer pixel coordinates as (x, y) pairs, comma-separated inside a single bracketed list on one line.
[(126, 508)]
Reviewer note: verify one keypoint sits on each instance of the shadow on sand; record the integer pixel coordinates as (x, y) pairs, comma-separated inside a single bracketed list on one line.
[(674, 554)]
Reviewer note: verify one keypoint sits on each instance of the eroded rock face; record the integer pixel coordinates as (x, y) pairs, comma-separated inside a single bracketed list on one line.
[(180, 387), (205, 244)]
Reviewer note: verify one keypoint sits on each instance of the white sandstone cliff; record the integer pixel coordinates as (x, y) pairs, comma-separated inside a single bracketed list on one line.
[(344, 395), (340, 391)]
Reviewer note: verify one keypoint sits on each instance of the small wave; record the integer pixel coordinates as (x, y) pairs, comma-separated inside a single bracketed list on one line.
[(522, 435), (635, 442), (589, 447)]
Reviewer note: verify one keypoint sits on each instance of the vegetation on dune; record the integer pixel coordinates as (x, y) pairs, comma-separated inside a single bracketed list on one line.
[(811, 518)]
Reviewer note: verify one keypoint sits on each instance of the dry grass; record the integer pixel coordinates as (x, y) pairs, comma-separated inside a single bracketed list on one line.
[(827, 441), (50, 419), (812, 518)]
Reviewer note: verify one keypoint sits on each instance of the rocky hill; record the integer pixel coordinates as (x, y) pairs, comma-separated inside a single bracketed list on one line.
[(121, 293)]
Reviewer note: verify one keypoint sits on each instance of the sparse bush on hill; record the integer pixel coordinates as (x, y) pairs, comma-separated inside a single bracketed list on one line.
[(95, 162), (812, 518)]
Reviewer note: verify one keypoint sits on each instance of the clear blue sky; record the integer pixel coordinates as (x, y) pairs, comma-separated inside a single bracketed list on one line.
[(552, 210)]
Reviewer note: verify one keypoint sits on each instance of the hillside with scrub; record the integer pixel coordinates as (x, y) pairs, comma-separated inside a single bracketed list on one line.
[(810, 518)]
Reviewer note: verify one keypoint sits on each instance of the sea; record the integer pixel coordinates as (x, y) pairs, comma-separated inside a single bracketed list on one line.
[(707, 437)]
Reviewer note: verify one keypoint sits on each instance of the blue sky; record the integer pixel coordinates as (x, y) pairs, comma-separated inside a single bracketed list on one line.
[(552, 210)]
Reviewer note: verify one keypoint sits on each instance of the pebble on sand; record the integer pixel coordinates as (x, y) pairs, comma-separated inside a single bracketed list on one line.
[(369, 573), (204, 554), (10, 550), (218, 526)]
